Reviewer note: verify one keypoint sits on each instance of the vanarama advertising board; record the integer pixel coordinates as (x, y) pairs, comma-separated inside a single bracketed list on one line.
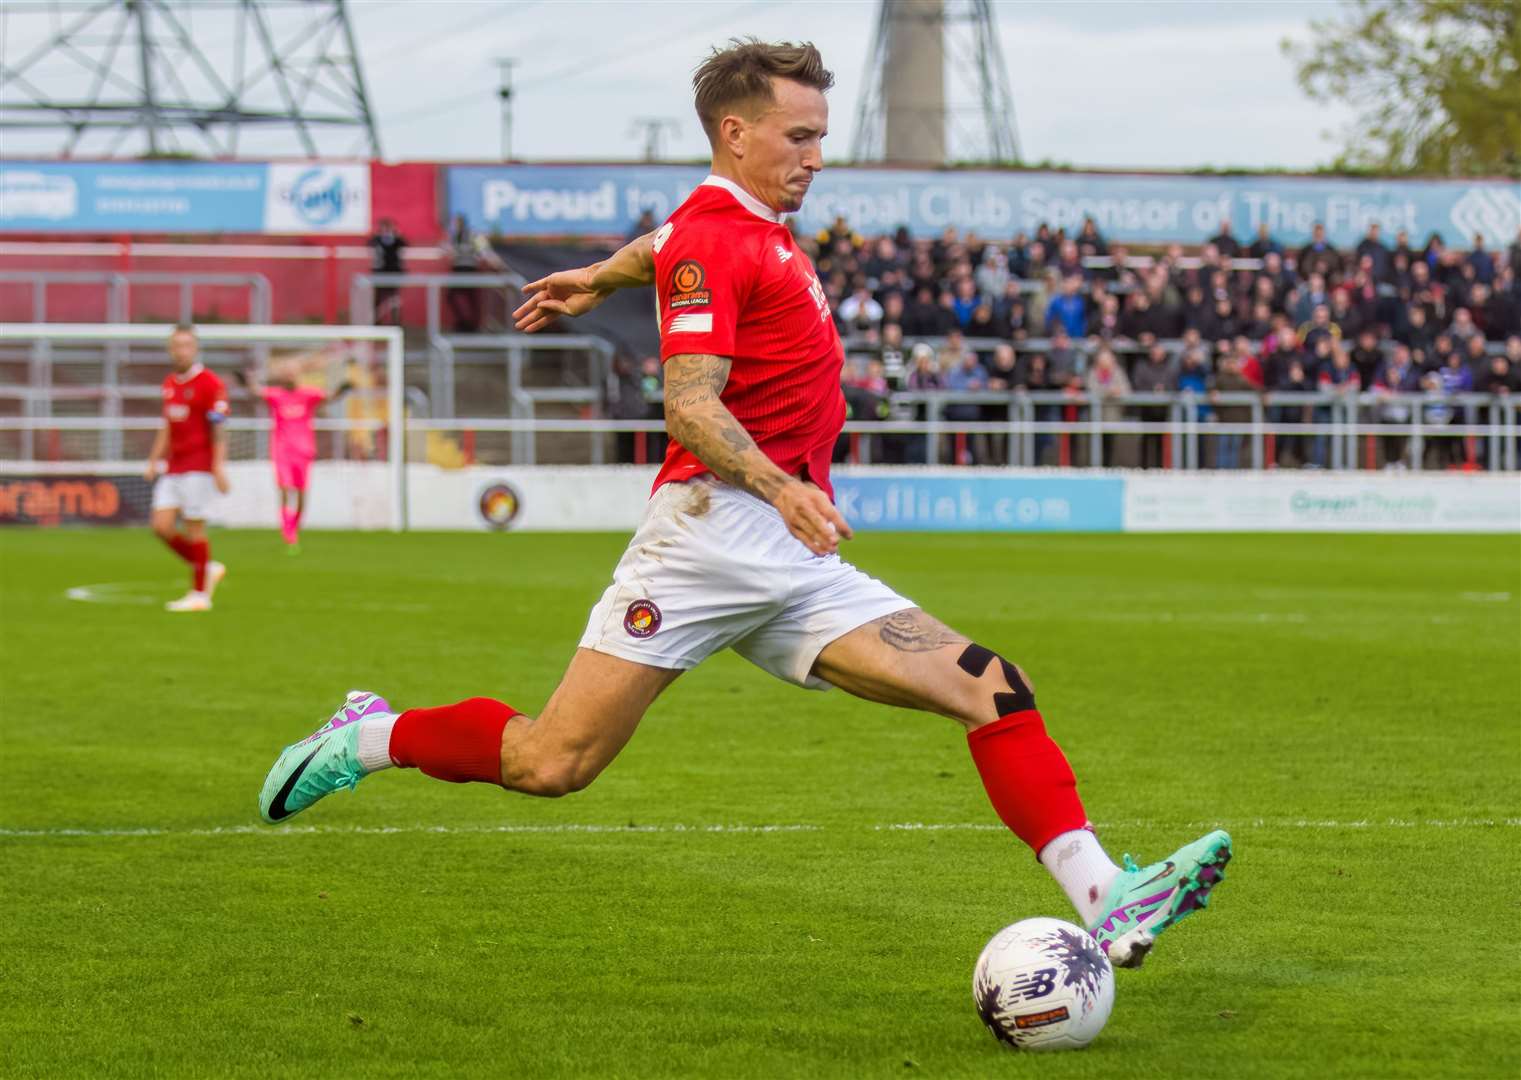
[(73, 499)]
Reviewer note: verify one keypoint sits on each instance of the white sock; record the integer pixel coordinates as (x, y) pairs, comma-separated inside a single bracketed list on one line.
[(1084, 871), (375, 742)]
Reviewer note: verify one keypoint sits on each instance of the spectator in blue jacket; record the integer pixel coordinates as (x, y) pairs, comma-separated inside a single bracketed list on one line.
[(1482, 261), (964, 301), (1069, 308)]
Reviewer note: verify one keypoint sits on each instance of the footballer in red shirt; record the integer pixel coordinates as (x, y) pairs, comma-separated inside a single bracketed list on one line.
[(186, 465), (739, 545)]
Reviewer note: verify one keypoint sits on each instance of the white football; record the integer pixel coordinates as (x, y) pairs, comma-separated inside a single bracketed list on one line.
[(1043, 984)]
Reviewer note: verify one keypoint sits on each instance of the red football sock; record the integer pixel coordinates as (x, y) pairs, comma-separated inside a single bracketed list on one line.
[(180, 544), (200, 555), (1027, 778), (457, 743)]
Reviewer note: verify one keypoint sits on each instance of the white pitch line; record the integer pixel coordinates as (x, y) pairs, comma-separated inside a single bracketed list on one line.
[(392, 830), (1245, 823), (111, 592), (129, 592), (675, 829)]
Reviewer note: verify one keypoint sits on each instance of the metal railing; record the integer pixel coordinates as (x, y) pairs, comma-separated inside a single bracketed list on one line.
[(1344, 432), (362, 293), (1086, 346), (1337, 432), (447, 352), (118, 289), (115, 354)]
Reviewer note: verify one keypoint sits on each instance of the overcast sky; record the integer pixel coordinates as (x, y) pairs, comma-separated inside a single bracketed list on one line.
[(1135, 83)]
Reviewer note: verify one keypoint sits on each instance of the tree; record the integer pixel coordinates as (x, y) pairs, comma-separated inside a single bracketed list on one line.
[(1437, 83)]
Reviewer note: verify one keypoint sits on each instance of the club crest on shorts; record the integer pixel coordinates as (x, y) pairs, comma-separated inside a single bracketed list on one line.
[(642, 619)]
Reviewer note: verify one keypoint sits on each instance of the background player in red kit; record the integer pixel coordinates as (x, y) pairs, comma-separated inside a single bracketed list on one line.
[(193, 446), (739, 544)]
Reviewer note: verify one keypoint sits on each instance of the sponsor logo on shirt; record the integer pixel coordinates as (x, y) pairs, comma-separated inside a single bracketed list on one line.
[(687, 282), (820, 300), (782, 253), (690, 322)]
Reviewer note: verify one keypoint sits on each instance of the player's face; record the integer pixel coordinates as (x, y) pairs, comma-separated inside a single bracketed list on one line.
[(783, 147), (183, 349)]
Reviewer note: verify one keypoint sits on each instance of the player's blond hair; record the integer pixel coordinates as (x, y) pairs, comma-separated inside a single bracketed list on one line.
[(742, 74)]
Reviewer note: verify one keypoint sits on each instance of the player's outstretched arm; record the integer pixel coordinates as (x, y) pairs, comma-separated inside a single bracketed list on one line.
[(697, 418), (219, 459), (159, 449), (575, 292)]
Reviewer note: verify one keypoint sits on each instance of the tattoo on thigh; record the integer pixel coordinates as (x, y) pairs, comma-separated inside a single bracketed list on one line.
[(914, 631)]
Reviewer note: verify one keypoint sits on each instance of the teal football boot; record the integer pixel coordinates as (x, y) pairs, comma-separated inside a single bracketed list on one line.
[(324, 762), (1145, 900)]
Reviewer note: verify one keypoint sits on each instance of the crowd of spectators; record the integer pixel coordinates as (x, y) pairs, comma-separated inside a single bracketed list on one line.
[(1076, 313)]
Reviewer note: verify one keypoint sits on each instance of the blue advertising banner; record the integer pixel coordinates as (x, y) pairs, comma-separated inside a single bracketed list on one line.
[(184, 197), (602, 200), (953, 501)]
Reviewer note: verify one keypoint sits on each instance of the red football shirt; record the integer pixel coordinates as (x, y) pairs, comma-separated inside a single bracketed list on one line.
[(194, 403), (731, 282)]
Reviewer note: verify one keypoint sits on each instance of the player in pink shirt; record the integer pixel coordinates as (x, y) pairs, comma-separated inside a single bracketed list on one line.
[(293, 442)]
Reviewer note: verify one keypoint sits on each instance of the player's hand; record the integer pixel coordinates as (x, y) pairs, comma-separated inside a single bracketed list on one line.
[(566, 292), (219, 478), (811, 517), (150, 471)]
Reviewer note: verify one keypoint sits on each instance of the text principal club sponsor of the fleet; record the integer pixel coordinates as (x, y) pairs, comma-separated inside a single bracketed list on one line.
[(586, 200)]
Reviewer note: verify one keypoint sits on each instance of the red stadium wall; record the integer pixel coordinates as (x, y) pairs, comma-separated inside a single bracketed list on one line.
[(409, 195), (310, 279)]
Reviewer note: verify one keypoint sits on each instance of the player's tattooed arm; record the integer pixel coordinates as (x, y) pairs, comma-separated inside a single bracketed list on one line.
[(575, 292), (698, 419), (914, 631)]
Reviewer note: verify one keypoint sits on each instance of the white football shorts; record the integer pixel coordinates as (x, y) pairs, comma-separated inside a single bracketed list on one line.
[(712, 567), (191, 493)]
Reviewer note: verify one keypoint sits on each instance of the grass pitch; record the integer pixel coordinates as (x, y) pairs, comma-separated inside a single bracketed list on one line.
[(1346, 706)]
